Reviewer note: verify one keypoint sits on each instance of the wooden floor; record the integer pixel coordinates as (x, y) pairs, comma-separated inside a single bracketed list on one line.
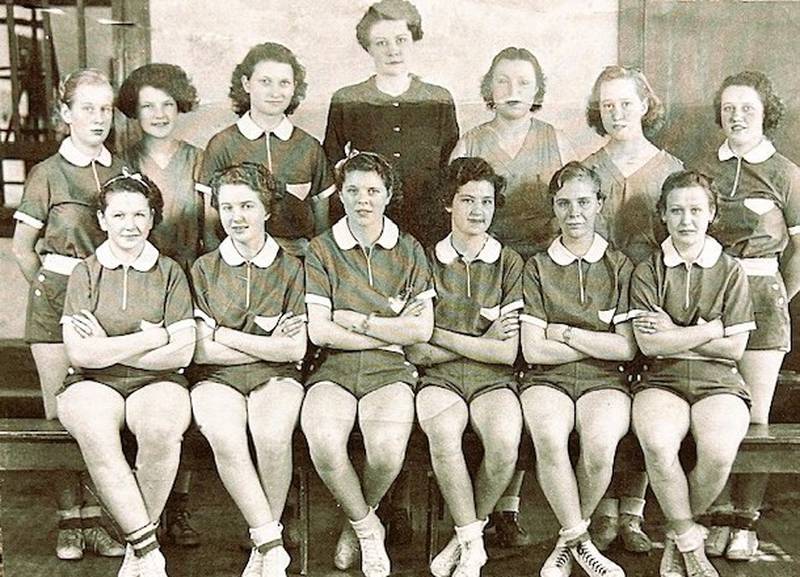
[(29, 535)]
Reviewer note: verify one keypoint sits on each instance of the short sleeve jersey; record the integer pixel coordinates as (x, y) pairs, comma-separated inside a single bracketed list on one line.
[(759, 200), (293, 156), (178, 234), (590, 292), (525, 222), (415, 131), (713, 287), (60, 199), (629, 219), (247, 296)]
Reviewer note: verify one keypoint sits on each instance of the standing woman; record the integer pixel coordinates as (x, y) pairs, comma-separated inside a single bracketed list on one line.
[(251, 328), (128, 334), (692, 316), (266, 88), (394, 113), (624, 108), (575, 337), (368, 294), (57, 211), (758, 219), (154, 94)]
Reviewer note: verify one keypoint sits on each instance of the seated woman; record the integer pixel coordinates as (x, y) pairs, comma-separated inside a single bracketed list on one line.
[(469, 374), (368, 294), (251, 336), (693, 315), (575, 338), (128, 333)]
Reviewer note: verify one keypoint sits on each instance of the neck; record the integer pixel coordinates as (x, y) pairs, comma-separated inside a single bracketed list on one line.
[(633, 146), (513, 124), (368, 235), (578, 246), (740, 148), (266, 122), (126, 256), (159, 146), (250, 249), (90, 151), (468, 246), (689, 252), (393, 85)]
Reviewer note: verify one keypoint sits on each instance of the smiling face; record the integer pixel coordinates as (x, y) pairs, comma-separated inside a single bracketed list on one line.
[(243, 215), (687, 215), (365, 198), (128, 220), (271, 87), (89, 115), (576, 207), (742, 115), (473, 208), (156, 112), (621, 109), (390, 43), (513, 88)]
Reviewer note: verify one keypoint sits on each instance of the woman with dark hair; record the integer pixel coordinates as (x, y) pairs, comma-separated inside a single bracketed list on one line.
[(575, 337), (266, 88), (129, 333), (758, 222), (410, 122), (468, 364), (368, 294), (625, 109), (692, 314)]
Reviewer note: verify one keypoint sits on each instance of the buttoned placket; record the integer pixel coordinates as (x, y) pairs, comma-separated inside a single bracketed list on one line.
[(97, 182), (579, 262), (269, 152), (125, 287), (368, 258), (688, 266), (469, 280), (738, 174)]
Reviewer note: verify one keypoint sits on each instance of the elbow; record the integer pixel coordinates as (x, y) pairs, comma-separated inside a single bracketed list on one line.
[(183, 357), (317, 335), (629, 353), (508, 357), (296, 352), (422, 333)]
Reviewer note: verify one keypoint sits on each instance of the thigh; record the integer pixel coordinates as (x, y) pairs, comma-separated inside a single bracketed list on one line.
[(496, 417), (90, 409), (218, 407), (660, 418), (328, 414), (391, 404), (547, 412), (760, 370), (274, 409), (163, 406), (432, 401), (720, 421), (51, 365), (603, 414)]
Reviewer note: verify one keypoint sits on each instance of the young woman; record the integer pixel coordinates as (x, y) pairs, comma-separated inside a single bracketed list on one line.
[(758, 220), (57, 212), (469, 375), (410, 122), (692, 314), (266, 88), (624, 108), (251, 329), (368, 294), (575, 337), (129, 333), (154, 95)]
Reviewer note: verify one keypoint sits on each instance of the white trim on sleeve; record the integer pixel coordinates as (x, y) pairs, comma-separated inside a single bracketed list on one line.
[(535, 321), (180, 325), (512, 306), (739, 329), (199, 314), (426, 294), (312, 299), (793, 230), (327, 193), (29, 220)]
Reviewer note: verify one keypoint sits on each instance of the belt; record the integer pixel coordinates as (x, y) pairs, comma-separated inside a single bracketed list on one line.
[(59, 263), (759, 266)]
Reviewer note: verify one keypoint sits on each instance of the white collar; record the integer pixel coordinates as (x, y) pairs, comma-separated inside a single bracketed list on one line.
[(74, 156), (563, 257), (761, 152), (447, 253), (707, 258), (345, 240), (143, 263), (252, 131), (264, 258)]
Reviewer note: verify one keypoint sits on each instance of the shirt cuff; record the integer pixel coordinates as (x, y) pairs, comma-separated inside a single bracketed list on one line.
[(202, 188), (312, 299), (793, 230), (739, 329), (512, 306), (328, 192), (199, 314), (535, 321), (29, 220), (425, 295), (180, 325)]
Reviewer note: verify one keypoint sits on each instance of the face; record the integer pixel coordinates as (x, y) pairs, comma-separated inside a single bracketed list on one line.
[(364, 197), (242, 214), (576, 207), (390, 45), (513, 88), (157, 112), (621, 108), (271, 87), (89, 115), (687, 215), (742, 114), (473, 208), (127, 219)]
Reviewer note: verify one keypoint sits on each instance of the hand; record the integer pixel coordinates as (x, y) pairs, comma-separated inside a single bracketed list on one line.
[(555, 332), (413, 308), (348, 319), (654, 321), (289, 325), (504, 327), (87, 325)]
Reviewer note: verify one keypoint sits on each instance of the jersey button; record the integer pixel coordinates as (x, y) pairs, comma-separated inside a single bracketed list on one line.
[(781, 301), (415, 374), (37, 292), (775, 287), (396, 154), (396, 104), (396, 129), (70, 371), (406, 363), (41, 278)]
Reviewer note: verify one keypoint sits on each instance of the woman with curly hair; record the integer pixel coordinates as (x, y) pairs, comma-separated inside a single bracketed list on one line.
[(758, 223), (266, 88)]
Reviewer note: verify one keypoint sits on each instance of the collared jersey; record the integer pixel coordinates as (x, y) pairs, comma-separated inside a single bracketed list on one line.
[(629, 219), (712, 287), (759, 200), (293, 156), (178, 233), (525, 222), (415, 131), (590, 292), (60, 199)]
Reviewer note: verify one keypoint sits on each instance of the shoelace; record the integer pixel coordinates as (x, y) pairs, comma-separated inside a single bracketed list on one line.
[(595, 564), (373, 558), (562, 559), (695, 567), (254, 564), (674, 563)]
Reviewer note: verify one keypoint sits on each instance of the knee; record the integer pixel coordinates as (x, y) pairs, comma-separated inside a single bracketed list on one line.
[(327, 446), (444, 435), (551, 446), (598, 457), (386, 454), (716, 457), (272, 442), (660, 454), (159, 434), (501, 450)]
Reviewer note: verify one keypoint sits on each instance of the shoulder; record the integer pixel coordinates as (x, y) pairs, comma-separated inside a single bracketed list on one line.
[(353, 92), (511, 258), (785, 167), (672, 161), (647, 268), (303, 138), (322, 244), (434, 92), (289, 263), (223, 138), (203, 262), (50, 167), (617, 258)]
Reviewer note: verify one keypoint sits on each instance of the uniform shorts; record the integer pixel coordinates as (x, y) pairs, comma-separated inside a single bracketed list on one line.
[(243, 378), (362, 372), (124, 380), (577, 378), (692, 380), (468, 378), (45, 307), (771, 311)]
